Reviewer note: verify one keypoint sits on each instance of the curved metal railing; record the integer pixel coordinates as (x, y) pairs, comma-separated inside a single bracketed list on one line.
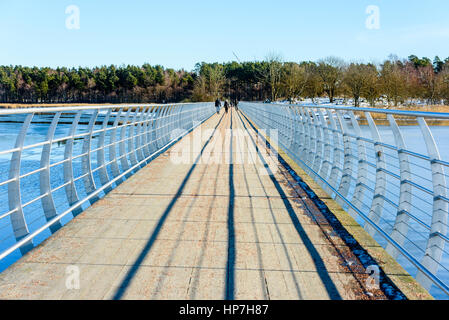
[(360, 157), (54, 162)]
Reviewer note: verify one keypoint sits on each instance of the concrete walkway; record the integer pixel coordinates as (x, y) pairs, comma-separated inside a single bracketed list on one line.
[(208, 228)]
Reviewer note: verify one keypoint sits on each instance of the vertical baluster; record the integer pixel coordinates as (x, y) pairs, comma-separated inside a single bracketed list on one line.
[(48, 204), (153, 125), (173, 120), (335, 174), (292, 122), (318, 159), (138, 135), (305, 150), (70, 189), (280, 121), (146, 150), (326, 157), (296, 133), (282, 124), (435, 244), (151, 129), (401, 226), (132, 151), (301, 143), (166, 125), (377, 205), (18, 221), (160, 127), (180, 118), (86, 160), (362, 168), (311, 137), (103, 171), (113, 147), (122, 147), (346, 178)]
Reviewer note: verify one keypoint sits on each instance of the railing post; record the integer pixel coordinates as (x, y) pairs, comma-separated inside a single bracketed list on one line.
[(326, 156), (435, 244), (113, 147), (138, 140), (166, 125), (306, 137), (132, 150), (122, 146), (103, 171), (17, 217), (311, 138), (48, 204), (318, 161), (173, 121), (180, 118), (86, 160), (146, 149), (346, 178), (297, 132), (335, 174), (401, 226), (70, 188), (152, 133), (377, 205), (160, 126), (362, 167)]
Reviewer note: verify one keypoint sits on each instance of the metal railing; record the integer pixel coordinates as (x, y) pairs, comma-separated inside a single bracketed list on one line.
[(55, 162), (360, 157)]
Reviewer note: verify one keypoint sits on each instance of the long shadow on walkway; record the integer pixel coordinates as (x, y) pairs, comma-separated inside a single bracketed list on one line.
[(230, 266), (135, 267), (318, 261)]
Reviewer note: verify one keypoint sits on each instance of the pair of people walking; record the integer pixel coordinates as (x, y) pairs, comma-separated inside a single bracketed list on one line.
[(226, 105)]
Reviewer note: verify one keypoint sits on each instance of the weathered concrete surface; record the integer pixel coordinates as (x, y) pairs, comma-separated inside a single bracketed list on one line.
[(197, 230)]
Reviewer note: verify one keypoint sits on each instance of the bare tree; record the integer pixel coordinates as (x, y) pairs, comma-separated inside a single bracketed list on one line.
[(330, 71), (361, 80), (372, 85), (444, 84), (430, 84), (294, 80), (272, 74), (393, 84), (210, 82)]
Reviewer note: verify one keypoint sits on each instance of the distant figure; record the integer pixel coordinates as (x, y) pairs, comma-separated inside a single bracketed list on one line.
[(236, 105), (226, 106), (217, 105)]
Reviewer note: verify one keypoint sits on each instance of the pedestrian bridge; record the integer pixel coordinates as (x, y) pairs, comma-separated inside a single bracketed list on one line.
[(264, 202)]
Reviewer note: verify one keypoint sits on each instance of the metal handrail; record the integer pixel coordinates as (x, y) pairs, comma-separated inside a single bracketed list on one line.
[(133, 134), (415, 114), (327, 141)]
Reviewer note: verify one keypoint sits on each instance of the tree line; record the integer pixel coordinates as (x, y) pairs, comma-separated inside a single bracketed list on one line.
[(106, 84), (393, 82)]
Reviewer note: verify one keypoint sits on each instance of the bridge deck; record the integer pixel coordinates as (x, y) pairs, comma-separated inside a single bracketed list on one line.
[(196, 231)]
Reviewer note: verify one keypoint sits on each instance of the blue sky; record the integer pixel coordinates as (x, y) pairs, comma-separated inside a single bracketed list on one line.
[(178, 34)]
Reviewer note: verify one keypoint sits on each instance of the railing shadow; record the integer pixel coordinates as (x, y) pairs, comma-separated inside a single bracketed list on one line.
[(317, 260), (137, 263), (230, 265), (279, 233)]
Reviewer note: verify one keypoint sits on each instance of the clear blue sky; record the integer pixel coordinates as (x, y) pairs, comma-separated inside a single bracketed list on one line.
[(179, 33)]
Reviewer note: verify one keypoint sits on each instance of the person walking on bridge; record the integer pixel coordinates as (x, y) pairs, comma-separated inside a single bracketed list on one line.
[(236, 105), (217, 105), (226, 106)]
